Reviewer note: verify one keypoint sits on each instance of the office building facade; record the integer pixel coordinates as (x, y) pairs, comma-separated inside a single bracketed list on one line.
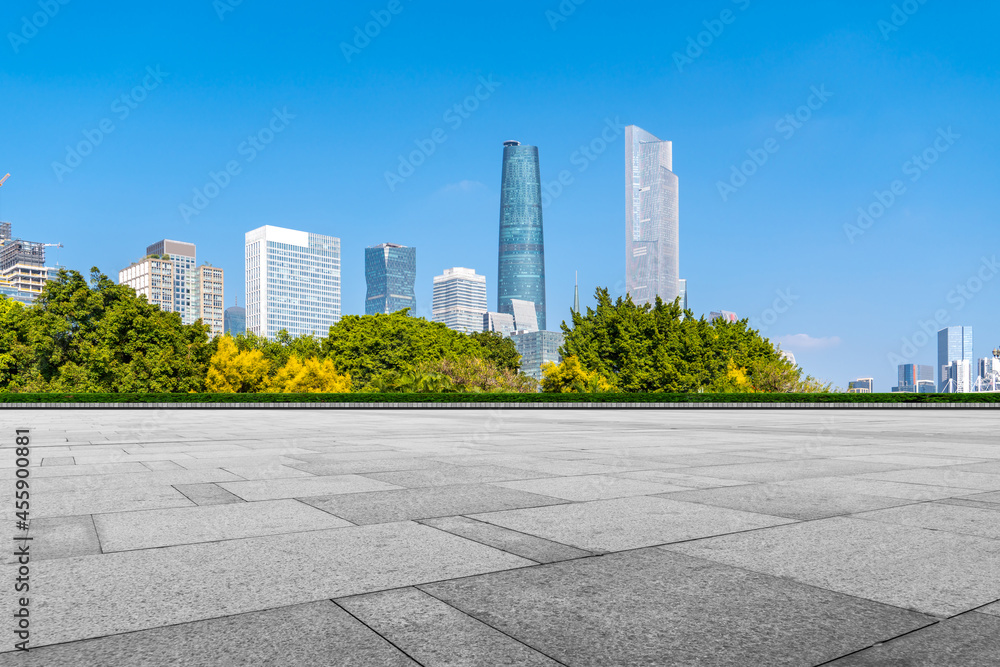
[(988, 374), (391, 275), (537, 348), (521, 260), (652, 227), (954, 344), (525, 315), (208, 299), (861, 386), (957, 377), (293, 282), (915, 378), (724, 315), (235, 321), (184, 258), (502, 323), (459, 299), (153, 278)]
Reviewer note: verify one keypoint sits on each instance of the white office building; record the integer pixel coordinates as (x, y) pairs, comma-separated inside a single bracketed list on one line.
[(292, 281), (988, 374), (459, 299), (957, 377)]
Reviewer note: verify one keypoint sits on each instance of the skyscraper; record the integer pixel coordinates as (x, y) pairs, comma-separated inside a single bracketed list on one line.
[(209, 299), (954, 344), (235, 320), (459, 299), (914, 378), (390, 271), (293, 282), (167, 277), (183, 256), (521, 266), (652, 237)]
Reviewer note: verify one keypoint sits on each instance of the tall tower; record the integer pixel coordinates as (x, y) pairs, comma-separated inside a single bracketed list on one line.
[(652, 236), (459, 299), (521, 270), (390, 273)]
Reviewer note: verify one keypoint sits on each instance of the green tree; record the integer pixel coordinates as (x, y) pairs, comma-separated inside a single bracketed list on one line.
[(497, 349), (366, 346), (103, 337)]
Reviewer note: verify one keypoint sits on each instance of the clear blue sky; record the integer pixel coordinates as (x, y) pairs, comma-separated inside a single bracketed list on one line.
[(887, 94)]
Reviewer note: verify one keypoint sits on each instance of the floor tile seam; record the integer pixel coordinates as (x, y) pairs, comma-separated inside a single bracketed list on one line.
[(880, 643), (857, 476), (521, 532), (379, 634), (936, 530), (665, 496), (493, 627), (97, 534), (475, 541)]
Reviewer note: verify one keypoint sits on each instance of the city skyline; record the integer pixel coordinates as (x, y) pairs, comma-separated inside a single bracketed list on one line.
[(787, 247)]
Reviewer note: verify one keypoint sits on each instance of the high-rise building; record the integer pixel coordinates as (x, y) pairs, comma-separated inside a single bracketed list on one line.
[(391, 273), (954, 344), (915, 378), (235, 320), (957, 377), (537, 348), (652, 236), (521, 265), (682, 286), (23, 273), (459, 299), (293, 282), (4, 231), (152, 277), (502, 323), (861, 386), (576, 293), (208, 298), (183, 256)]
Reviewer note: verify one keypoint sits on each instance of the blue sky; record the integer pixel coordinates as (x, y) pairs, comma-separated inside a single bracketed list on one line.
[(164, 96)]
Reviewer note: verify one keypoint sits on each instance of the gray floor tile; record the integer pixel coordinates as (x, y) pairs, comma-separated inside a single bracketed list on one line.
[(102, 501), (90, 469), (786, 470), (681, 479), (190, 525), (207, 494), (929, 571), (939, 516), (590, 487), (308, 634), (792, 503), (627, 523), (969, 640), (990, 609), (326, 468), (511, 541), (424, 503), (992, 497), (252, 472), (875, 487), (942, 477), (914, 460), (645, 608), (58, 461), (162, 465), (435, 633), (138, 590), (61, 537), (450, 475), (272, 489)]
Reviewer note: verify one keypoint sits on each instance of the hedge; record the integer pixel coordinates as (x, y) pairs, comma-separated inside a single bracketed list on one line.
[(500, 398)]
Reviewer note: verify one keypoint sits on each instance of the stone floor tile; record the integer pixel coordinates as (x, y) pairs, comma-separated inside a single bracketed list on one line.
[(272, 489), (792, 503), (939, 516), (511, 541), (590, 487)]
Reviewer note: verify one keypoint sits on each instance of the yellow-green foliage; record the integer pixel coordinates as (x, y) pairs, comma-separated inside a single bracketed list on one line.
[(570, 377), (233, 372), (309, 376)]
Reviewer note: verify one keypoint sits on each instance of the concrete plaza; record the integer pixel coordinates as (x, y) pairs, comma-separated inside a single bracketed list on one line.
[(508, 537)]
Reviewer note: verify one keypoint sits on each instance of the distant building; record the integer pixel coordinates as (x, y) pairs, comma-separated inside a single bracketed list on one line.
[(537, 348), (293, 282), (988, 374), (914, 378), (682, 286), (521, 260), (459, 299), (183, 256), (8, 290), (652, 231), (525, 315), (208, 299), (723, 315), (22, 266), (861, 386), (957, 377), (391, 274), (954, 344), (152, 277), (235, 321), (788, 355), (499, 322)]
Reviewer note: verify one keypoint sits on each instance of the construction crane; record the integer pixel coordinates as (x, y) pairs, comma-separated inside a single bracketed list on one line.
[(2, 180)]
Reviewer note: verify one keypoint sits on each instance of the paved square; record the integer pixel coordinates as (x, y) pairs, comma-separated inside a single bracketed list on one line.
[(514, 537)]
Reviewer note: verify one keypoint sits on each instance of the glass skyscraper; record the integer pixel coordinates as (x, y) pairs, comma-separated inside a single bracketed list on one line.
[(652, 236), (235, 321), (390, 271), (293, 282), (954, 344), (521, 270)]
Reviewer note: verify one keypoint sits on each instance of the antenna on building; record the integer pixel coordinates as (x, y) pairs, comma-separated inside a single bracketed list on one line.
[(576, 293)]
